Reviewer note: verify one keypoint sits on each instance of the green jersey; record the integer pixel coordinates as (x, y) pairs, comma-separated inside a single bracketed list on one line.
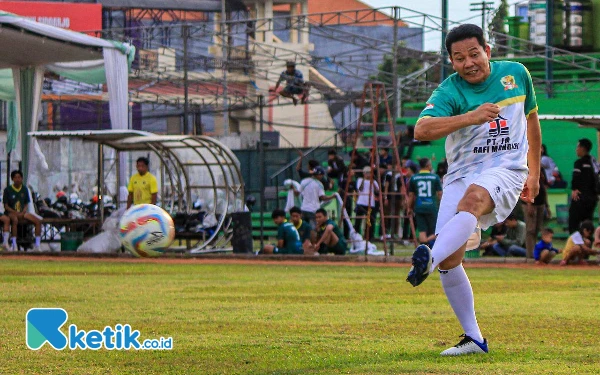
[(338, 232), (500, 143), (304, 230), (425, 186), (16, 198), (291, 239)]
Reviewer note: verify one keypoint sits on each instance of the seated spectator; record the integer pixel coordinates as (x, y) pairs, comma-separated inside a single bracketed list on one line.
[(288, 239), (498, 233), (337, 166), (578, 246), (509, 238), (513, 243), (329, 236), (543, 251), (16, 199), (304, 230), (384, 156)]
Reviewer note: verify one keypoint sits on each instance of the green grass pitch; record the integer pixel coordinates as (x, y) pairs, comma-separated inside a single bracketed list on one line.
[(296, 319)]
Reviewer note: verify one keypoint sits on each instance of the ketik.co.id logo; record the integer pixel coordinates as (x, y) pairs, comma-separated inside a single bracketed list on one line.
[(43, 325)]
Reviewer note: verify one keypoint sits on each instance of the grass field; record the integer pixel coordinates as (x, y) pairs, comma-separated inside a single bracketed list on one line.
[(297, 319)]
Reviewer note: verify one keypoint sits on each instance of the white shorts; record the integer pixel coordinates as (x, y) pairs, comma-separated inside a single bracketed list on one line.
[(503, 185)]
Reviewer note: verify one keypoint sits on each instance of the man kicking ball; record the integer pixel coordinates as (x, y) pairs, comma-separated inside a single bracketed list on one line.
[(488, 112)]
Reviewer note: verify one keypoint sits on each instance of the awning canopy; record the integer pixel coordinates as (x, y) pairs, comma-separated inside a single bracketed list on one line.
[(592, 121), (29, 46)]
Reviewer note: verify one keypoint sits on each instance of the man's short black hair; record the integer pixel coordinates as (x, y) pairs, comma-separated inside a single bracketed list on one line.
[(295, 210), (278, 213), (586, 143), (332, 152), (423, 163), (586, 224), (143, 159), (321, 211), (462, 32), (313, 163), (14, 173)]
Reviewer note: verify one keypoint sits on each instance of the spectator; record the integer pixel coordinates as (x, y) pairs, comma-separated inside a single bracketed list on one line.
[(424, 194), (535, 213), (142, 188), (16, 199), (365, 203), (337, 166), (498, 233), (442, 169), (312, 164), (313, 193), (584, 195), (549, 167), (384, 156), (578, 246), (304, 230), (295, 84), (357, 162), (544, 251), (288, 239), (390, 200), (512, 243), (329, 235), (407, 174)]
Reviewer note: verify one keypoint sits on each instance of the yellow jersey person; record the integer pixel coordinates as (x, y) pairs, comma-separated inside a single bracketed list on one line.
[(142, 185)]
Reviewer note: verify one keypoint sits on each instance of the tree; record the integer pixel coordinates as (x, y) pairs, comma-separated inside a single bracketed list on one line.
[(498, 30)]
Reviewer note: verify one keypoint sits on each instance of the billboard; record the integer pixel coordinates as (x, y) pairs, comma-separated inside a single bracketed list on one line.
[(72, 16)]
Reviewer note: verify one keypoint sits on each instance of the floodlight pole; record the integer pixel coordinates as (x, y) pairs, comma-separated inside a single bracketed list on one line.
[(396, 104), (261, 149), (444, 74), (224, 41), (186, 101)]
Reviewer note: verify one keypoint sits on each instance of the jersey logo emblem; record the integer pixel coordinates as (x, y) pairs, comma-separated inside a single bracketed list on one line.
[(429, 106), (508, 82), (499, 126)]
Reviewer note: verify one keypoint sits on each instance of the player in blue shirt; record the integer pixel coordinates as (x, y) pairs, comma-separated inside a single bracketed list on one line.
[(543, 251), (295, 84)]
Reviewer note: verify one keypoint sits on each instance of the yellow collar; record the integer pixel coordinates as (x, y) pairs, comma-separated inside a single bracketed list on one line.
[(15, 189)]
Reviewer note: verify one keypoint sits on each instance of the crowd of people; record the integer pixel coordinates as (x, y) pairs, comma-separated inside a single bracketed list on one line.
[(521, 234)]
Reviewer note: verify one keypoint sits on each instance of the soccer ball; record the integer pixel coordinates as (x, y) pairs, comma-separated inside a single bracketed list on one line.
[(146, 230)]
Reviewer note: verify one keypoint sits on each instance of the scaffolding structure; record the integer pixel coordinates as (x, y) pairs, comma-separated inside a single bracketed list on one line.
[(179, 69)]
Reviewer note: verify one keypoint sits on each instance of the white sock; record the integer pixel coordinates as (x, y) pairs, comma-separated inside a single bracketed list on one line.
[(14, 241), (5, 237), (453, 235), (38, 240), (458, 290)]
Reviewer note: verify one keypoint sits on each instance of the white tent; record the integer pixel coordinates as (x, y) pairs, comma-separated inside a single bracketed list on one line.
[(31, 47)]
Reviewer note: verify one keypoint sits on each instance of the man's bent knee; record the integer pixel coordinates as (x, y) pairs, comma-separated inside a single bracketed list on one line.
[(477, 201), (453, 260)]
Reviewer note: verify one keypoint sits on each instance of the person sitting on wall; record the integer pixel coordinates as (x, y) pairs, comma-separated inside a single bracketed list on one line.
[(295, 84), (16, 199)]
